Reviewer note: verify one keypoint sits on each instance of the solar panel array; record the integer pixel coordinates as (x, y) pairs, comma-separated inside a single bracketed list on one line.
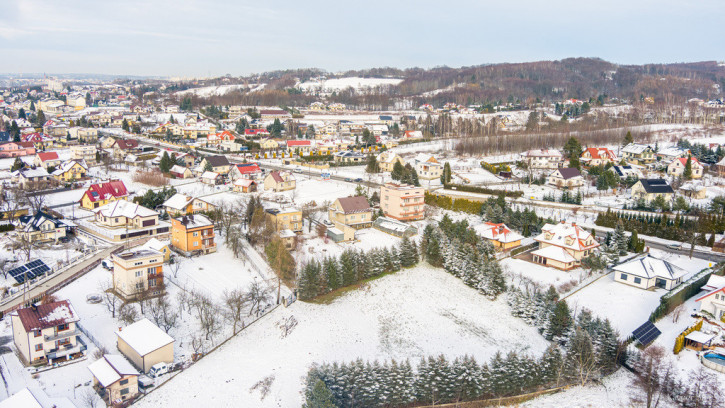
[(646, 333), (30, 270)]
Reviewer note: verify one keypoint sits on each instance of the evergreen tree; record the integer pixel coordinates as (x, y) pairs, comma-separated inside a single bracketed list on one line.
[(308, 281), (372, 164), (347, 267), (581, 361), (17, 164), (319, 397), (165, 163), (628, 139), (32, 105), (687, 174), (398, 171), (620, 239), (40, 118), (559, 322), (124, 125)]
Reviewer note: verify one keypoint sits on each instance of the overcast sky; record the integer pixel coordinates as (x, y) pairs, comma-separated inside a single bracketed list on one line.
[(216, 37)]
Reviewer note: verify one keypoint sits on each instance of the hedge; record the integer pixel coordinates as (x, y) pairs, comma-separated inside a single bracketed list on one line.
[(458, 204), (674, 298), (6, 227), (483, 190)]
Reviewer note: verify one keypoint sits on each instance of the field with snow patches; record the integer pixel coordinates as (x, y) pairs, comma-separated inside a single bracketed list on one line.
[(338, 84), (409, 314)]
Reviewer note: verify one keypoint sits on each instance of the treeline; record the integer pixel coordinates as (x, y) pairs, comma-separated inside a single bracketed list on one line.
[(588, 356), (675, 228), (483, 190), (565, 197), (321, 277), (459, 250)]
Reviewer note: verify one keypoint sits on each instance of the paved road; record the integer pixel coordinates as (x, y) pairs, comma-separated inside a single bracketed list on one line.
[(57, 279)]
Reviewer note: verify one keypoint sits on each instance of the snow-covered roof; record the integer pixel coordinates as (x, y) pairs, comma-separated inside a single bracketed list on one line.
[(155, 245), (123, 208), (67, 165), (210, 175), (47, 315), (34, 397), (555, 253), (194, 221), (673, 151), (700, 337), (111, 368), (177, 169), (178, 201), (560, 232), (497, 232), (31, 173), (286, 233), (543, 153), (714, 282), (144, 337), (634, 148), (650, 267)]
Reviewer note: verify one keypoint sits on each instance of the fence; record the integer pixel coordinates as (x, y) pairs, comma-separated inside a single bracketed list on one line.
[(498, 402), (679, 295), (89, 335)]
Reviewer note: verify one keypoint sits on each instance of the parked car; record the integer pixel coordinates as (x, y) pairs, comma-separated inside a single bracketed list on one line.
[(145, 381), (348, 179), (158, 370), (674, 246), (358, 180), (107, 264)]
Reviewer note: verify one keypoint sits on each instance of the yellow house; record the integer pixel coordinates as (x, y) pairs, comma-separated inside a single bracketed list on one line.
[(279, 181), (101, 194), (113, 374), (354, 212), (563, 245), (387, 160), (138, 272), (193, 234), (268, 144), (145, 344), (650, 189), (70, 170), (287, 218)]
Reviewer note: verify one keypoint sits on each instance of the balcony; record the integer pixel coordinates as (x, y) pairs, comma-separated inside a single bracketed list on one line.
[(66, 350), (61, 335), (156, 275)]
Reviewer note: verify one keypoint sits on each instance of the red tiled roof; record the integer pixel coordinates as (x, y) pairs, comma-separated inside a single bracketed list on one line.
[(277, 177), (594, 153), (114, 188), (255, 131), (125, 144), (683, 160), (48, 315), (248, 168), (356, 204), (48, 156), (299, 143)]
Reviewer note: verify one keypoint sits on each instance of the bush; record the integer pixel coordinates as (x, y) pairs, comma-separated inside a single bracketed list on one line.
[(483, 190), (6, 227), (151, 178)]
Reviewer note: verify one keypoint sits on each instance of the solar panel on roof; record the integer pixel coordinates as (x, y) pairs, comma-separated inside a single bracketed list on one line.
[(19, 279), (17, 271), (646, 333)]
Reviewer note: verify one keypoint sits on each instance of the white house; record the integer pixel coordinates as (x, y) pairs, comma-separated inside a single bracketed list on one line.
[(647, 272), (563, 245), (713, 301), (565, 177), (544, 159), (677, 167)]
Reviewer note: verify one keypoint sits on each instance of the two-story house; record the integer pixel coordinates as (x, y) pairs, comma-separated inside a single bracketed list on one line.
[(279, 181), (193, 234), (649, 189), (563, 245), (678, 166), (544, 159), (70, 170), (219, 164), (122, 220), (101, 194), (115, 378), (354, 212), (402, 202), (713, 301), (387, 160), (499, 235), (138, 273), (427, 167), (47, 333), (42, 227), (84, 152), (595, 156), (285, 218), (46, 160), (566, 178), (635, 153)]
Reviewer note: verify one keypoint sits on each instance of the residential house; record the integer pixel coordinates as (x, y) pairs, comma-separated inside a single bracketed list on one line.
[(694, 189), (42, 227), (354, 212), (160, 246), (70, 170), (387, 160), (412, 134), (638, 154), (669, 154), (713, 302), (278, 181), (16, 149), (285, 218), (647, 272), (596, 156), (402, 202), (145, 344), (101, 194), (211, 178), (244, 186), (219, 164), (245, 171), (121, 220), (46, 160), (563, 245), (84, 135), (115, 378), (274, 114), (47, 333), (86, 153), (255, 133), (544, 159), (192, 234), (180, 172), (499, 235), (123, 147), (649, 189), (39, 140), (31, 178), (626, 171), (386, 120), (33, 397), (300, 147), (349, 156), (138, 273), (565, 177), (427, 167), (268, 144), (677, 167), (719, 166)]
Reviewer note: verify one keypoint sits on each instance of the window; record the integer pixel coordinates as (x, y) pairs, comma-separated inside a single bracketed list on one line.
[(623, 276), (196, 243), (125, 390), (38, 347), (36, 333), (637, 280), (151, 270), (139, 273), (195, 234), (63, 326), (123, 382)]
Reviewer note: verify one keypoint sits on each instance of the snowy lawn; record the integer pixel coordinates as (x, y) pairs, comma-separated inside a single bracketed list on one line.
[(409, 314), (543, 275), (365, 239), (627, 307)]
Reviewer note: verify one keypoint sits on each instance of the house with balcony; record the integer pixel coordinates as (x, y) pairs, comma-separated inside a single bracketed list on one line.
[(114, 378), (279, 181), (544, 159), (192, 234), (123, 220), (713, 301), (70, 170), (596, 156), (635, 153), (138, 273), (563, 245), (47, 333), (402, 202), (427, 167), (285, 218), (354, 212)]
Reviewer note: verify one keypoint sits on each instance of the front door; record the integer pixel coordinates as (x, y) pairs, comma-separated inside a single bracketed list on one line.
[(660, 283)]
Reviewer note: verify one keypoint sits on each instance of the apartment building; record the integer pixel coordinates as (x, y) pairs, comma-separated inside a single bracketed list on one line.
[(83, 152), (138, 272), (402, 201)]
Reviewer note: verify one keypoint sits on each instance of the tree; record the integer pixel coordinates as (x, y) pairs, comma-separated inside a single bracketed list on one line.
[(628, 139), (235, 302), (109, 298), (446, 176), (581, 361), (310, 132), (17, 164), (573, 150), (687, 174), (207, 313), (125, 126), (257, 295), (162, 313), (319, 396), (372, 165), (21, 113), (207, 166), (396, 174), (652, 373), (280, 259), (40, 119)]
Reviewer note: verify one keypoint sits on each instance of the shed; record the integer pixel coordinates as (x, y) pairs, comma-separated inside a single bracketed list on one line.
[(145, 344), (698, 340)]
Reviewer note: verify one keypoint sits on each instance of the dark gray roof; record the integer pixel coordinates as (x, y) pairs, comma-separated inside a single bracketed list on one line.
[(386, 117), (569, 172), (216, 161), (656, 186)]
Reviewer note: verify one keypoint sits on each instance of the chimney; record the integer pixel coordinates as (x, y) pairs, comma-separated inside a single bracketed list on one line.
[(120, 328)]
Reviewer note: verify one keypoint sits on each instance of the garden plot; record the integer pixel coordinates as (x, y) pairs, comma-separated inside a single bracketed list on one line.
[(409, 314), (365, 239), (520, 270)]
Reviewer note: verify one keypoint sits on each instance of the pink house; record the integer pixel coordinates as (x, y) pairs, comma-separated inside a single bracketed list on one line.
[(16, 149)]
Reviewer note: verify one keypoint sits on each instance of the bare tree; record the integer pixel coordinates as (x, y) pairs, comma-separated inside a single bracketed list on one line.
[(112, 302), (162, 313), (235, 301), (182, 298), (127, 313), (287, 325), (705, 389), (652, 372), (100, 352), (263, 386), (36, 201), (175, 264), (90, 398), (258, 294), (207, 313)]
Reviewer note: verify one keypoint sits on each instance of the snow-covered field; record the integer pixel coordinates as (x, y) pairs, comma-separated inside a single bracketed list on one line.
[(338, 84), (409, 314)]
